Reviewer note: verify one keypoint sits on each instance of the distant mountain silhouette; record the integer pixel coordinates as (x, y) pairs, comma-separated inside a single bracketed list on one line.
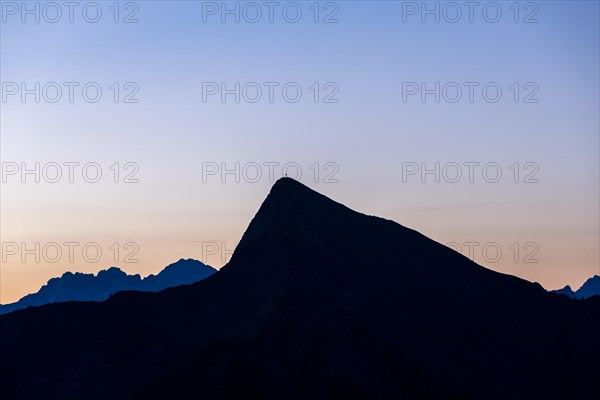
[(89, 287), (590, 288), (566, 291), (317, 302)]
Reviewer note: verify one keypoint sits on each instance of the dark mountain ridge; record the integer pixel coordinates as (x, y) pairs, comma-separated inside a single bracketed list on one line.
[(590, 288), (89, 287), (318, 301)]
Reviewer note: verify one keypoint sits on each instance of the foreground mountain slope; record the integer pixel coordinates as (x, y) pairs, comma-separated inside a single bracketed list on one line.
[(89, 287), (318, 301)]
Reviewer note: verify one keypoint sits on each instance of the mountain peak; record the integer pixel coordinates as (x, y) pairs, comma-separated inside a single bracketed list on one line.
[(286, 181), (89, 287), (112, 271), (295, 221), (286, 190), (291, 212), (590, 288)]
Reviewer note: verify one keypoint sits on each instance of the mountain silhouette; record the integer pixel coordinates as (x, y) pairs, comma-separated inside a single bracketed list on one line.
[(89, 287), (567, 291), (590, 288), (317, 302)]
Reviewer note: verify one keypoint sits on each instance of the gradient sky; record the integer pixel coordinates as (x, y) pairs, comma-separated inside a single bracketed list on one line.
[(368, 134)]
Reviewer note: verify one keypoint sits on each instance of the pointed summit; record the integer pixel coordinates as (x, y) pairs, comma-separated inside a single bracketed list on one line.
[(286, 182), (300, 231), (289, 195), (294, 213)]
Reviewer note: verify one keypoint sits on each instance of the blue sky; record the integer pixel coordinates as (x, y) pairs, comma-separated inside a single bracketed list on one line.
[(368, 134)]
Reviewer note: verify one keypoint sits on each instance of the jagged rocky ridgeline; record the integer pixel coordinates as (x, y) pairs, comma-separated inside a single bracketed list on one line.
[(590, 288), (89, 287)]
